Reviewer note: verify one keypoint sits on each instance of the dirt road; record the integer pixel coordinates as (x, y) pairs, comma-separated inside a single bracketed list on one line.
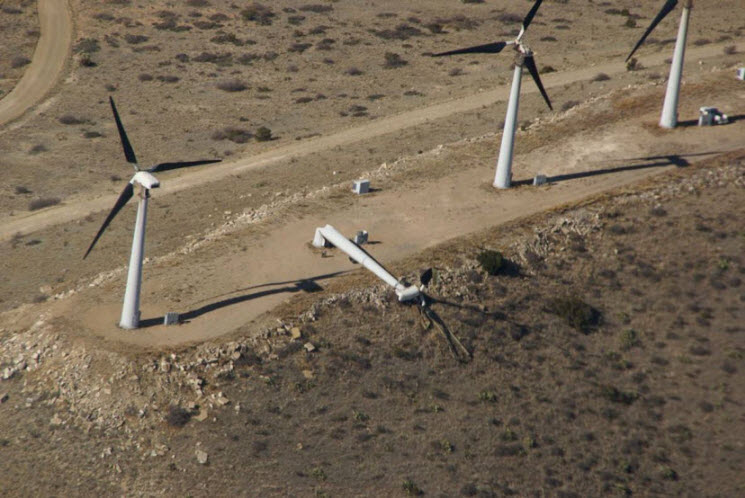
[(50, 56), (29, 222), (228, 288)]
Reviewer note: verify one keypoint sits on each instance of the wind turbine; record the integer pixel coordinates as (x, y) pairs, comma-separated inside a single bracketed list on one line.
[(524, 58), (145, 181), (669, 118)]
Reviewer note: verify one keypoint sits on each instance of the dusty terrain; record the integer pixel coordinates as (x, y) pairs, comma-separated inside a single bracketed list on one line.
[(644, 400)]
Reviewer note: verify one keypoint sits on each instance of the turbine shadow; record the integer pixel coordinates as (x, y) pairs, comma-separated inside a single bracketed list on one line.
[(689, 123), (658, 162), (293, 286)]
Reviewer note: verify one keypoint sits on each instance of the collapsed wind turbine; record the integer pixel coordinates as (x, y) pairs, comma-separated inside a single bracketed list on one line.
[(145, 181), (669, 118), (524, 58), (406, 293)]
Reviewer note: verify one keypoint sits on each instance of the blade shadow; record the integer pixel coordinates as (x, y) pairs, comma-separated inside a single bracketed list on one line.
[(308, 285)]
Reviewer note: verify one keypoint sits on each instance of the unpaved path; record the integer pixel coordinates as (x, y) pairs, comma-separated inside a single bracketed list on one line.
[(234, 287), (47, 64), (29, 222)]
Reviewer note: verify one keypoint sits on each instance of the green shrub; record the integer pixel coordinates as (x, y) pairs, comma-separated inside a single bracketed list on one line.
[(491, 261), (264, 134), (577, 314), (177, 416)]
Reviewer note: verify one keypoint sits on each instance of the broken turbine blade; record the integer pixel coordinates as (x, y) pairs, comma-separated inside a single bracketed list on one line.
[(666, 9), (529, 62), (125, 196), (129, 152), (181, 164), (489, 48)]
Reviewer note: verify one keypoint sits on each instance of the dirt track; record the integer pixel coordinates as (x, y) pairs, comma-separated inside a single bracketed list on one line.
[(47, 64), (36, 220), (420, 215), (235, 287)]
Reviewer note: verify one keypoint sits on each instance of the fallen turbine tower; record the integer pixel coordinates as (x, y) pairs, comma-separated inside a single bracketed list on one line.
[(330, 235)]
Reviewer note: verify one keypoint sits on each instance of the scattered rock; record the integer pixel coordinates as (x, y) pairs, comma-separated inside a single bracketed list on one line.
[(309, 347), (308, 374), (56, 420), (201, 416), (296, 333), (3, 398), (221, 399), (202, 457)]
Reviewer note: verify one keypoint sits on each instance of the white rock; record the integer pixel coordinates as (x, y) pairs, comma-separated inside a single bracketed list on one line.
[(202, 457), (309, 347)]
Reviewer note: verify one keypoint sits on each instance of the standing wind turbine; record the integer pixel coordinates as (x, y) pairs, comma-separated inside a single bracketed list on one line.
[(669, 118), (145, 181), (524, 58)]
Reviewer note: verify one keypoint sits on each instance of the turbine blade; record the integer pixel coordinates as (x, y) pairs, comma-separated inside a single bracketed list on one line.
[(181, 164), (489, 48), (120, 202), (529, 18), (530, 64), (129, 152), (426, 277), (666, 9)]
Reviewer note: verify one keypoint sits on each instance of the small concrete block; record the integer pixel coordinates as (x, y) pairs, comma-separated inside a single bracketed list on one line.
[(540, 180), (361, 237), (171, 318), (361, 186)]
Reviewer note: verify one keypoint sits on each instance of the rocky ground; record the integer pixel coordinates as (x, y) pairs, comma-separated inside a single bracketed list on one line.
[(606, 358)]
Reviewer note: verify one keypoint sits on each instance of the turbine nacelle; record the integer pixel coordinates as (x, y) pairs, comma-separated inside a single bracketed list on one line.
[(145, 179)]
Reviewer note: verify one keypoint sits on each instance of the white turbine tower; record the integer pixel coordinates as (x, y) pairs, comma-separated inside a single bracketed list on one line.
[(145, 181), (503, 177), (669, 117)]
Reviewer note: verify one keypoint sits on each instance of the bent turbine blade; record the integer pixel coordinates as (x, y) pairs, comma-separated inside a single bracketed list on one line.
[(666, 9), (125, 196), (529, 18), (129, 152), (489, 48), (530, 64), (181, 164)]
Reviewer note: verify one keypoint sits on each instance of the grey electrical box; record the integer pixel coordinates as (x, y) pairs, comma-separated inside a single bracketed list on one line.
[(361, 186), (361, 237), (171, 318), (741, 73), (540, 180)]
